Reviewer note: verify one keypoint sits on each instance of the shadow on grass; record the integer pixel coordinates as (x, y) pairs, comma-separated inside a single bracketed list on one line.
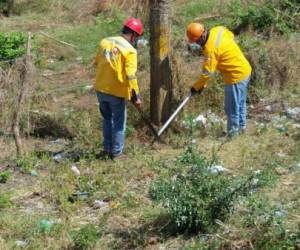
[(151, 233)]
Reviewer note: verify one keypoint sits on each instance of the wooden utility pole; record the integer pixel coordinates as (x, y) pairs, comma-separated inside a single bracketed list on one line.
[(161, 73)]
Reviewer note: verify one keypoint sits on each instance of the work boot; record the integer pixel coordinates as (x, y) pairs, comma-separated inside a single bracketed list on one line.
[(118, 156), (103, 155)]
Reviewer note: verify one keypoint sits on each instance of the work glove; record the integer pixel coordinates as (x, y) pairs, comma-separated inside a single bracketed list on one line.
[(194, 91)]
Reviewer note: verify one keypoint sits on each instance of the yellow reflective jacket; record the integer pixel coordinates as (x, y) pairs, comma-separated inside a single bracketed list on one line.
[(222, 53), (116, 66)]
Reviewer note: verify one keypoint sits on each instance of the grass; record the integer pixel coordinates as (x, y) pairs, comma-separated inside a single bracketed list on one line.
[(86, 237), (86, 38), (4, 176), (197, 10), (5, 200), (131, 220)]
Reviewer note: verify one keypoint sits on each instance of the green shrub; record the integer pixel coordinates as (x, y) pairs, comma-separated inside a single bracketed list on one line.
[(238, 17), (288, 18), (194, 196), (4, 176), (278, 16), (262, 17), (86, 237), (12, 45)]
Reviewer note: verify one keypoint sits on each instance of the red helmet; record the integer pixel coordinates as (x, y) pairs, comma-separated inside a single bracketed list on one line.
[(134, 24)]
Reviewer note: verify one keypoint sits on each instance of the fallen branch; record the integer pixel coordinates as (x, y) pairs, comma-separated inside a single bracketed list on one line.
[(10, 60), (261, 107), (207, 17), (59, 41)]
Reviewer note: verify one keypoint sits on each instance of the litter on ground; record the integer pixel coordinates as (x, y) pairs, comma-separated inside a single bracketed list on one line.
[(100, 203), (217, 169), (75, 170)]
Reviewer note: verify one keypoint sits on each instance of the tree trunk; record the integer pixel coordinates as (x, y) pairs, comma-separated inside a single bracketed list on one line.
[(10, 5), (161, 73), (25, 78)]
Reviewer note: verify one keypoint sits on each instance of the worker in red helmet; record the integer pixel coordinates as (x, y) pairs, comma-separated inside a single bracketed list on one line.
[(116, 83), (222, 53)]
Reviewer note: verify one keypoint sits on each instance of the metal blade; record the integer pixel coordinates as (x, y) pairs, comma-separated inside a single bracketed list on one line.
[(172, 117)]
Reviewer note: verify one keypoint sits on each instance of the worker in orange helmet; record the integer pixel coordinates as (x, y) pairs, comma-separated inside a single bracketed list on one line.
[(116, 83), (222, 53)]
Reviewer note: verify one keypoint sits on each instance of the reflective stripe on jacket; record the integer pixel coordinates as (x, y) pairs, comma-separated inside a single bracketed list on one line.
[(116, 66), (222, 53)]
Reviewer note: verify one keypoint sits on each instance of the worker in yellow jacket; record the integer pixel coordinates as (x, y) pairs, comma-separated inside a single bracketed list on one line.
[(116, 83), (221, 53)]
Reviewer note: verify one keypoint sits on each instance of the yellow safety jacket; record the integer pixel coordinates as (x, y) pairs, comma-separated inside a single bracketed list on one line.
[(116, 66), (222, 53)]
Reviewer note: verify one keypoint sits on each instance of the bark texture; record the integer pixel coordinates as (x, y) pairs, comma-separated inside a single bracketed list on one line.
[(161, 73), (26, 78)]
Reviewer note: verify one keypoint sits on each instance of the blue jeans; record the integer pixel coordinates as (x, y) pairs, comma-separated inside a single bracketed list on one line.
[(114, 112), (235, 106)]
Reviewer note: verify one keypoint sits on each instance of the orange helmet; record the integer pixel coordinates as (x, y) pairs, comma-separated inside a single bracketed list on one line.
[(194, 31)]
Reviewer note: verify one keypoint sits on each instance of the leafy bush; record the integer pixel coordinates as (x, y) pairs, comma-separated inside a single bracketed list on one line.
[(280, 16), (4, 176), (12, 45), (195, 196), (86, 237)]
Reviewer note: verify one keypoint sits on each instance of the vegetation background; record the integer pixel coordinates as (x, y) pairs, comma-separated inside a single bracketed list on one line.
[(160, 196)]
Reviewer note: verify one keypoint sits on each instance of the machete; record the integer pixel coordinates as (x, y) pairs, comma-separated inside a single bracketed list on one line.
[(172, 117)]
